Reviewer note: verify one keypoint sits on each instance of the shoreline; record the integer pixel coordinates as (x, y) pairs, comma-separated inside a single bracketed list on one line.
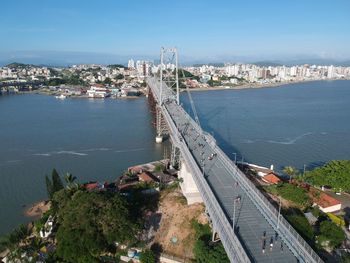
[(37, 209), (259, 86)]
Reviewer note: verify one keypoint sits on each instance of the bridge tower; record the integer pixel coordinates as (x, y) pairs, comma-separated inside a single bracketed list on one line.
[(168, 75)]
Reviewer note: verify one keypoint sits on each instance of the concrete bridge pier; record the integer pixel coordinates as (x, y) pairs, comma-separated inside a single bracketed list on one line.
[(188, 186)]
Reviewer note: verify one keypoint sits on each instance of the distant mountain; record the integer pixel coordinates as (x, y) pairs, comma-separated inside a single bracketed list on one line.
[(218, 64), (68, 58), (17, 65), (310, 61), (267, 64), (317, 61)]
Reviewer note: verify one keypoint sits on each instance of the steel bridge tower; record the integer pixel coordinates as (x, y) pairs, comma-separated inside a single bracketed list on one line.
[(168, 76)]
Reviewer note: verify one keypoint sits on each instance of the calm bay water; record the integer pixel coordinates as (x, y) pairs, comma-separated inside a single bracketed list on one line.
[(92, 139), (297, 124), (96, 140)]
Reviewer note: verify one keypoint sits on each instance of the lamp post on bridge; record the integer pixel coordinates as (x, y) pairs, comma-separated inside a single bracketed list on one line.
[(237, 199), (235, 157), (279, 213)]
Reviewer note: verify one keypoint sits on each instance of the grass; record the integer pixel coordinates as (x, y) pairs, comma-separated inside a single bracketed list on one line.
[(295, 194)]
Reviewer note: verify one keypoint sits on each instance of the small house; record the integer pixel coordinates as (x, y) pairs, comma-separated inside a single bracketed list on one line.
[(327, 203), (271, 178)]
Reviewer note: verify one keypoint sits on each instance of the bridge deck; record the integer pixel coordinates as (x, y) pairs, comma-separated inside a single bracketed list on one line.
[(256, 219), (250, 224)]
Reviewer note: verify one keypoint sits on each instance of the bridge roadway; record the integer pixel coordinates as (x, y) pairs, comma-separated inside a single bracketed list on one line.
[(256, 219)]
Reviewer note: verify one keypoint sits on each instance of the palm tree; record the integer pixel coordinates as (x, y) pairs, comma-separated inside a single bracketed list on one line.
[(70, 180), (291, 171)]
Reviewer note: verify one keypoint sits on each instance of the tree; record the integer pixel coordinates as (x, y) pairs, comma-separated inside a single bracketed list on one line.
[(147, 256), (119, 76), (290, 171), (107, 81), (159, 168), (300, 223), (12, 239), (55, 82), (49, 188), (70, 181), (56, 181), (53, 185), (114, 66), (334, 174), (330, 234), (90, 222), (345, 258), (204, 250)]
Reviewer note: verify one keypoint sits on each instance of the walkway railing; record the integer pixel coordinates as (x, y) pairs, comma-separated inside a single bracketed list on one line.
[(232, 245)]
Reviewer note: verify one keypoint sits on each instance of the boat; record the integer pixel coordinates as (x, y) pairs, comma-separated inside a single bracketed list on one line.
[(62, 97)]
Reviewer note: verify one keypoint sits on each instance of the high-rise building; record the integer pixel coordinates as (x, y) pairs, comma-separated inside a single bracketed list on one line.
[(131, 63), (330, 72)]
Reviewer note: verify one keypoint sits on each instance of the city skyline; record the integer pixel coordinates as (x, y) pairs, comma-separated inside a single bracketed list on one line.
[(84, 32)]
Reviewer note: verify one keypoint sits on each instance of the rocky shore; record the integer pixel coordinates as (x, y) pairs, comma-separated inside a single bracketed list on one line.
[(37, 209)]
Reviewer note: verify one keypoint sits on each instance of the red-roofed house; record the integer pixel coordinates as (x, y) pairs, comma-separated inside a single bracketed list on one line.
[(327, 204), (271, 178), (144, 177)]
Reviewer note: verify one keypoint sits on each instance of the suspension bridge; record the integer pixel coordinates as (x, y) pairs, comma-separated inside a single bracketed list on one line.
[(250, 228)]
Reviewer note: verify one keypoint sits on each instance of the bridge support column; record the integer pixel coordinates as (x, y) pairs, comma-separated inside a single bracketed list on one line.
[(188, 186), (175, 156), (159, 137), (161, 126)]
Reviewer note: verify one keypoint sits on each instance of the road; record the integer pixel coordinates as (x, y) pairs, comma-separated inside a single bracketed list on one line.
[(256, 235)]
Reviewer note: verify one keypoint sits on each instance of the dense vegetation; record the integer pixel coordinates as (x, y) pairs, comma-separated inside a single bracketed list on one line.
[(325, 234), (186, 74), (290, 192), (147, 256), (117, 66), (204, 250), (300, 223), (69, 80), (331, 234), (12, 239), (335, 174), (18, 65), (53, 185), (213, 83), (90, 223)]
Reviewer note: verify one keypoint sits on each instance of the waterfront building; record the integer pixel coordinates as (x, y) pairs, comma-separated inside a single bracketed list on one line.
[(331, 72), (98, 91)]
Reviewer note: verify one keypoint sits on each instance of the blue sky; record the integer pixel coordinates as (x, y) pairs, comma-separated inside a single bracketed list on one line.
[(254, 29)]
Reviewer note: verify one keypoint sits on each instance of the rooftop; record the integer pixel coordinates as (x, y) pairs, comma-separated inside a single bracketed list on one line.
[(271, 178), (326, 200)]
